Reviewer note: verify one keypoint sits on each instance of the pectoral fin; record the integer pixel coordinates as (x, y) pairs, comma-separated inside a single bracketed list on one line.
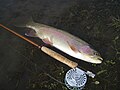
[(47, 41), (73, 47), (31, 33)]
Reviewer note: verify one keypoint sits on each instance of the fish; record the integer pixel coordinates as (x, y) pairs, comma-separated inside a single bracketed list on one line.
[(63, 41)]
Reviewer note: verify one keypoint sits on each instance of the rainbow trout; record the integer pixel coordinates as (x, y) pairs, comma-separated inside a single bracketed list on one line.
[(64, 41)]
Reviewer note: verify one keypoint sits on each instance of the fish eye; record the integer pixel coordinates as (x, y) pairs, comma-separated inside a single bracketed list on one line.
[(95, 53)]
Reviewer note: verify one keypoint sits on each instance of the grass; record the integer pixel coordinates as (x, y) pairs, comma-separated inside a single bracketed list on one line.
[(98, 23)]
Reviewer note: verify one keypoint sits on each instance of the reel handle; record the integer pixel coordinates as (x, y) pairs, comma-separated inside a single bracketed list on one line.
[(59, 57)]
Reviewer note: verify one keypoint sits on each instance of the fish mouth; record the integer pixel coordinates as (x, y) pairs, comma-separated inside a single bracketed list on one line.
[(96, 60), (99, 60)]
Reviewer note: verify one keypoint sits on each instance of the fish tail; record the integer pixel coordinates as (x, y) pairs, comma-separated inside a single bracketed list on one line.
[(23, 21)]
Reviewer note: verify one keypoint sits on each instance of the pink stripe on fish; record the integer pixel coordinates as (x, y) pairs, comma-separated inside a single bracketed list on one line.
[(86, 49)]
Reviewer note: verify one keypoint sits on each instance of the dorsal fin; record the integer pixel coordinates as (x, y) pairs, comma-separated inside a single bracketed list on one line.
[(23, 21)]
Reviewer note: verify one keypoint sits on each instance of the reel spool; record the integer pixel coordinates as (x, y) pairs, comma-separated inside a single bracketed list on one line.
[(75, 79)]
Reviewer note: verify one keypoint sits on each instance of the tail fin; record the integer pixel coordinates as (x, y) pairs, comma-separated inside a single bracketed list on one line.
[(23, 21)]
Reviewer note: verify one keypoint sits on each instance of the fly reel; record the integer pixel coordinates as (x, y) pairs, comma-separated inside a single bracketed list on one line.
[(75, 79)]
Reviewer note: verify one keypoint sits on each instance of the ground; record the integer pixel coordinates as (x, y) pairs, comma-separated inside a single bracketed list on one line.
[(23, 66)]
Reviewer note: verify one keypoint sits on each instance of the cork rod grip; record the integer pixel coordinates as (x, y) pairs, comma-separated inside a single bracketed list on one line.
[(59, 57)]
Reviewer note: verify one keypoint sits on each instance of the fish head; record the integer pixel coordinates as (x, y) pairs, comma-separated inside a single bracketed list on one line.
[(91, 55)]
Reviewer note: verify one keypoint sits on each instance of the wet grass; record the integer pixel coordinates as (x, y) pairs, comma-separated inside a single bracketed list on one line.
[(98, 23)]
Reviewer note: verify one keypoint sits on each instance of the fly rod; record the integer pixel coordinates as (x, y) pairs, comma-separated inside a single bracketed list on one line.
[(50, 52), (46, 50)]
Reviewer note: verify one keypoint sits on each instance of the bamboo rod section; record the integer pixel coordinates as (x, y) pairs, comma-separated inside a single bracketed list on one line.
[(46, 50)]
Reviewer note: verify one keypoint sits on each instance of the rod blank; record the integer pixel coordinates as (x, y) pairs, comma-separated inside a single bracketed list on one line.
[(46, 50)]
